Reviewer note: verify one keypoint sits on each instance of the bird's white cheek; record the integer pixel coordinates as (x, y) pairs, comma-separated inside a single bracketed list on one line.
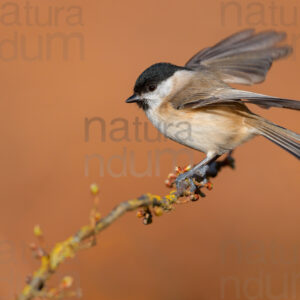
[(163, 90)]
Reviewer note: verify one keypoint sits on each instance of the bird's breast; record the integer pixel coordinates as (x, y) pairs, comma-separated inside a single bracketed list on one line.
[(208, 129)]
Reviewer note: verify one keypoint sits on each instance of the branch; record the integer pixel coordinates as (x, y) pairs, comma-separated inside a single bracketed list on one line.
[(85, 236)]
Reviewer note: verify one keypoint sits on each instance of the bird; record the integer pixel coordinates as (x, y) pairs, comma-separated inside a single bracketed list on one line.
[(195, 106)]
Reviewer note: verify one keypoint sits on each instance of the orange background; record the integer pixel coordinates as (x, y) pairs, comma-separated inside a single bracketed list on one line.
[(247, 227)]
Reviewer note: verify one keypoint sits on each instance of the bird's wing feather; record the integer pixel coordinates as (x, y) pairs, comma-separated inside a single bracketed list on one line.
[(244, 57), (229, 95)]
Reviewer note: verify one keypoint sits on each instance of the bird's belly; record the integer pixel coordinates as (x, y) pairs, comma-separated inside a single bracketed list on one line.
[(206, 131)]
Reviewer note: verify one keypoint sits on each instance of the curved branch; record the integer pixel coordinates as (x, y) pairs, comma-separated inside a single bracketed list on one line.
[(68, 248)]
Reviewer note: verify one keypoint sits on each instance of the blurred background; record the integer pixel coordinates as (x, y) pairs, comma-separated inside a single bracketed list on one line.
[(66, 62)]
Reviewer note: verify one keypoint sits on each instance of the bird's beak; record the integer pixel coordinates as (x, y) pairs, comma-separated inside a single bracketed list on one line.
[(132, 99)]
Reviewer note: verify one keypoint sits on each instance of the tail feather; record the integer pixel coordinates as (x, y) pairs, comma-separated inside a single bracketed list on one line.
[(284, 138)]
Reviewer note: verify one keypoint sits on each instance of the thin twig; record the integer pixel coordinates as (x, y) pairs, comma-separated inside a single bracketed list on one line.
[(67, 249)]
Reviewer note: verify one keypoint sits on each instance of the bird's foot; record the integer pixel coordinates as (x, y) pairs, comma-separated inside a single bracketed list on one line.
[(189, 181), (172, 177), (192, 181)]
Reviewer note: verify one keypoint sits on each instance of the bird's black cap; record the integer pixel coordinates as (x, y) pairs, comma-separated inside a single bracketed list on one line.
[(154, 75)]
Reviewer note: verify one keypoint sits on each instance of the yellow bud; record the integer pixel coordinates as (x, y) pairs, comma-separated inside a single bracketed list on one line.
[(94, 188), (158, 211), (187, 168), (67, 282), (37, 231), (97, 216), (140, 214)]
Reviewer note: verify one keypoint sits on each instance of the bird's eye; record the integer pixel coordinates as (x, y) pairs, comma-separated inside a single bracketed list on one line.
[(151, 87)]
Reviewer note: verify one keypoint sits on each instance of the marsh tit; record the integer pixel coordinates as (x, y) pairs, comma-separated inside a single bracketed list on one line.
[(198, 95)]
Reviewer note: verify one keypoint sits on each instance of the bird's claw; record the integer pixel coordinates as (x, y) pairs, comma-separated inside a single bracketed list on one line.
[(185, 185), (190, 182)]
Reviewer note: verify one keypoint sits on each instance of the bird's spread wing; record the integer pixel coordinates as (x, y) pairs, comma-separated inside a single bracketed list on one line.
[(243, 58), (229, 95)]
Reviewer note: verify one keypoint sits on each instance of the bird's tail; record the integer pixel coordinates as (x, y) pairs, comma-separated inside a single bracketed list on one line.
[(284, 138)]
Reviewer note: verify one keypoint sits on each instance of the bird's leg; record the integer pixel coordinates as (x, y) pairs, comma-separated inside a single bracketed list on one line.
[(200, 170)]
